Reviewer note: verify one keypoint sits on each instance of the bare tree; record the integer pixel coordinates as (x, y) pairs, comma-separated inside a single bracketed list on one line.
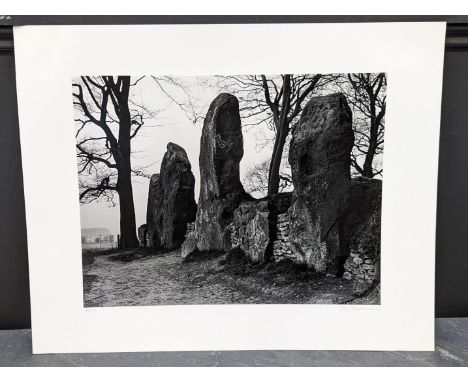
[(178, 93), (366, 93), (276, 101), (107, 121), (256, 179)]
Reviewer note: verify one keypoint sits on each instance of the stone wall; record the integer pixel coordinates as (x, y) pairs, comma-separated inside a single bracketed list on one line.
[(362, 268), (281, 248)]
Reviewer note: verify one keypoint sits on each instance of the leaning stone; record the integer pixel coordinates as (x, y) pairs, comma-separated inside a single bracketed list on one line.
[(154, 201)]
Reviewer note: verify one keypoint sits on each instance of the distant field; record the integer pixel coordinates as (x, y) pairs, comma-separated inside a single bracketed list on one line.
[(98, 245)]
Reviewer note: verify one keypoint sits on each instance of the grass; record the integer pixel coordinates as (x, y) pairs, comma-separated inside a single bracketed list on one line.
[(143, 277)]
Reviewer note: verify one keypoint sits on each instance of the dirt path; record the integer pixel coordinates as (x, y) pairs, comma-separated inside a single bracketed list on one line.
[(126, 278)]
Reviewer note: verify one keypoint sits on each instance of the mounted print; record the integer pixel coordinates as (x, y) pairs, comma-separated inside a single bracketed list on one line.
[(204, 194), (281, 205)]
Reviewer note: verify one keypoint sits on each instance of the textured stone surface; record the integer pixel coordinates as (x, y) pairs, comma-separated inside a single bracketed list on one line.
[(173, 204), (363, 222), (281, 248), (221, 150), (190, 243), (143, 235), (451, 337), (154, 196), (319, 156), (279, 226), (250, 229), (256, 225)]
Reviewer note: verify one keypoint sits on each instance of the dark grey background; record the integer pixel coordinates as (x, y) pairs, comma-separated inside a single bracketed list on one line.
[(452, 220)]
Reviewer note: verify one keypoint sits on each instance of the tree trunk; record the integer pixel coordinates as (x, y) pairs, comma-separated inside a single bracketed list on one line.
[(275, 164), (127, 211), (124, 182), (282, 131), (367, 167)]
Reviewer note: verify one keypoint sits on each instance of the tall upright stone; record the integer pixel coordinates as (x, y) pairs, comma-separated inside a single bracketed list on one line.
[(154, 195), (178, 203), (320, 161), (171, 206), (221, 150)]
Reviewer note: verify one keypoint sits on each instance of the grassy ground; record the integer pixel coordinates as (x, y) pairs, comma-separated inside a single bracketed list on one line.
[(139, 277)]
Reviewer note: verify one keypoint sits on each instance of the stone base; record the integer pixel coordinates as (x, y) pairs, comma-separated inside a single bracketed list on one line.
[(250, 229)]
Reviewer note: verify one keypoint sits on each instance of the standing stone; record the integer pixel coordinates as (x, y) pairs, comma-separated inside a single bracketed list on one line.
[(319, 156), (177, 205), (154, 195), (221, 150), (172, 202)]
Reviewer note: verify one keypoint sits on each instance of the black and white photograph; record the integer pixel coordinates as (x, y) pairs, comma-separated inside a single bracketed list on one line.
[(230, 189)]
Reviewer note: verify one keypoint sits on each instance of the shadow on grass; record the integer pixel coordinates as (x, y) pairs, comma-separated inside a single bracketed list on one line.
[(197, 256)]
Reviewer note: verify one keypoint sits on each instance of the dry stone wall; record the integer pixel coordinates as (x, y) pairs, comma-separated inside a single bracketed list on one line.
[(281, 248), (362, 268)]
